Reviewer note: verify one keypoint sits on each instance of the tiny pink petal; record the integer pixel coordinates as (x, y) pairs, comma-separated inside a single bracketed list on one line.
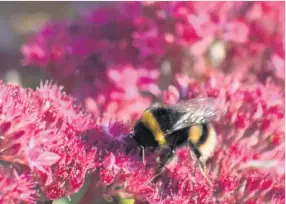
[(48, 158)]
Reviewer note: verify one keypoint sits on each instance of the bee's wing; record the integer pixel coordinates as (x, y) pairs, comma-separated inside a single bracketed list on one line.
[(197, 111)]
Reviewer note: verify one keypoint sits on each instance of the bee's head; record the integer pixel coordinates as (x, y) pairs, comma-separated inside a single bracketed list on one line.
[(143, 136)]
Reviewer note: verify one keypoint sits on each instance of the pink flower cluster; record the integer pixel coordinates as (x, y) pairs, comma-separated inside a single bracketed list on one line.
[(16, 188), (95, 56), (119, 59), (97, 60), (41, 143), (247, 164), (244, 39)]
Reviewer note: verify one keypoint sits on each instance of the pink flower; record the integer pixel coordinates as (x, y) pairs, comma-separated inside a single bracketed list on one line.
[(236, 31), (16, 188), (41, 131), (103, 67)]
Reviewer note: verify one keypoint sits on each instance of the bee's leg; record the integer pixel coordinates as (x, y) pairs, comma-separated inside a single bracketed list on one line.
[(201, 162), (165, 160), (202, 167), (142, 153)]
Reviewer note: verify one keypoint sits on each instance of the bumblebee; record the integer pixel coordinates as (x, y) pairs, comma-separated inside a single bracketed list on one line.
[(172, 126)]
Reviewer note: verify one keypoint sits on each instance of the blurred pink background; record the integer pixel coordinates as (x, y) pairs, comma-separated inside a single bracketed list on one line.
[(20, 20)]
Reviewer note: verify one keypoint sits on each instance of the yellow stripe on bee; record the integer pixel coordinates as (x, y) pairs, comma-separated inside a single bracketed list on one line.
[(152, 124), (195, 133)]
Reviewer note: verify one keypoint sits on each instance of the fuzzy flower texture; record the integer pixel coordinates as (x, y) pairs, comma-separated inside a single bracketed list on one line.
[(119, 59)]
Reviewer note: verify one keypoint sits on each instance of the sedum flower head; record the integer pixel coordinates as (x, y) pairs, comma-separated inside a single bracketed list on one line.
[(16, 188), (41, 133), (154, 40)]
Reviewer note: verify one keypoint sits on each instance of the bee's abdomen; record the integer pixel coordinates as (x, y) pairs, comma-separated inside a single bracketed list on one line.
[(204, 137), (198, 134)]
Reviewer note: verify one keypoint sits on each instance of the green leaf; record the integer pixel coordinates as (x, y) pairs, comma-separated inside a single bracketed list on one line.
[(126, 201)]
